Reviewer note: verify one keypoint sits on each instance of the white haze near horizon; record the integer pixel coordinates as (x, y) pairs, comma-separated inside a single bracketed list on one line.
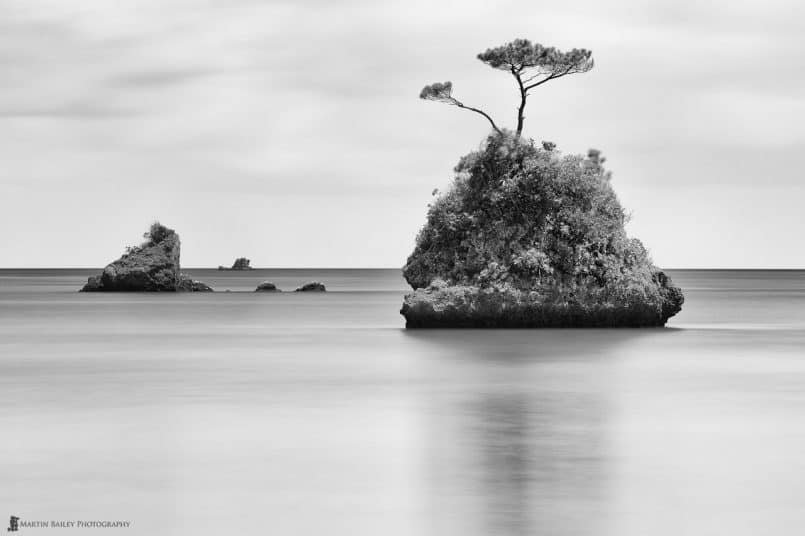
[(290, 132)]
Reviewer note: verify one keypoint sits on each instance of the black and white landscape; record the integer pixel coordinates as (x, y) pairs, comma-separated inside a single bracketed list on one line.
[(403, 268)]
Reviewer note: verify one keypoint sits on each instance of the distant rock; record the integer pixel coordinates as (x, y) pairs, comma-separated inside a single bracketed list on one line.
[(267, 286), (151, 267), (241, 263), (313, 286)]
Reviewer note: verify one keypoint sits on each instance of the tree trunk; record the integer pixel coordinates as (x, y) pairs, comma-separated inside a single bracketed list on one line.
[(523, 96)]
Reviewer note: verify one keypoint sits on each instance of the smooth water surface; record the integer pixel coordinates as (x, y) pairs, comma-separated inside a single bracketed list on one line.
[(252, 413)]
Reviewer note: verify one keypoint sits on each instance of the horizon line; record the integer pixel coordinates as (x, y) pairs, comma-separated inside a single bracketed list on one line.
[(362, 268)]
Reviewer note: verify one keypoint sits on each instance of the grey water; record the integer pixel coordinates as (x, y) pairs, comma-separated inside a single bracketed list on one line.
[(251, 413)]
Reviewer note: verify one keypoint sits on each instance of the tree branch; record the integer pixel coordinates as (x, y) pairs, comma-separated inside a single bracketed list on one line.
[(533, 77), (476, 110), (553, 76), (535, 84)]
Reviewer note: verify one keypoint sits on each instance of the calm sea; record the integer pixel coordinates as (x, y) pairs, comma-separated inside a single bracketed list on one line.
[(296, 414)]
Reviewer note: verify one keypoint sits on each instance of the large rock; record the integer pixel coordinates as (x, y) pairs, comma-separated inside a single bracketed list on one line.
[(152, 267), (527, 238), (457, 306)]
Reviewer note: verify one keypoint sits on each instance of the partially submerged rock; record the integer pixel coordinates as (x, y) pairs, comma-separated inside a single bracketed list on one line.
[(188, 284), (313, 286), (267, 286), (458, 306), (152, 267), (527, 238), (241, 263), (93, 284)]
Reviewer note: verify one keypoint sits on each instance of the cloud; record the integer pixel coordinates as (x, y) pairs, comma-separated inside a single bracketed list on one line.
[(206, 102), (74, 111), (159, 78)]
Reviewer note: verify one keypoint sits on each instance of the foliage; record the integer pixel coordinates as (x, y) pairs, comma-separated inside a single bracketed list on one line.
[(531, 65), (520, 218), (438, 91), (156, 234), (521, 55), (132, 250)]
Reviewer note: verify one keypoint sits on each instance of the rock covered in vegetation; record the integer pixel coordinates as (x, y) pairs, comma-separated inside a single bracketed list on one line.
[(528, 238), (313, 286), (267, 286), (153, 266), (241, 263)]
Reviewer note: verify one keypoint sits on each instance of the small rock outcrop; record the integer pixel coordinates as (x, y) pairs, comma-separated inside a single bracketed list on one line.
[(313, 286), (188, 284), (241, 263), (93, 284), (267, 286), (529, 238), (151, 267)]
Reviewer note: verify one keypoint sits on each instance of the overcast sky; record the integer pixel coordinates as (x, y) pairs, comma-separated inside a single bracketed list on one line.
[(290, 132)]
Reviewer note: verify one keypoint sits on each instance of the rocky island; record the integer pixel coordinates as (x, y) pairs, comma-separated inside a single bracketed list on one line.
[(526, 237), (152, 266), (241, 263)]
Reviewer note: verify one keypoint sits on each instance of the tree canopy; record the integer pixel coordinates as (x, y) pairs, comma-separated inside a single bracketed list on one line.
[(531, 65)]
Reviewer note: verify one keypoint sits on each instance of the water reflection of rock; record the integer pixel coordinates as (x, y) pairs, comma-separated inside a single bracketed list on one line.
[(516, 430), (502, 428), (543, 460)]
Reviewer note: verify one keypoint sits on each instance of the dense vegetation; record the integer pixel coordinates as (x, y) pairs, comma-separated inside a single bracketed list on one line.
[(156, 234), (527, 226)]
